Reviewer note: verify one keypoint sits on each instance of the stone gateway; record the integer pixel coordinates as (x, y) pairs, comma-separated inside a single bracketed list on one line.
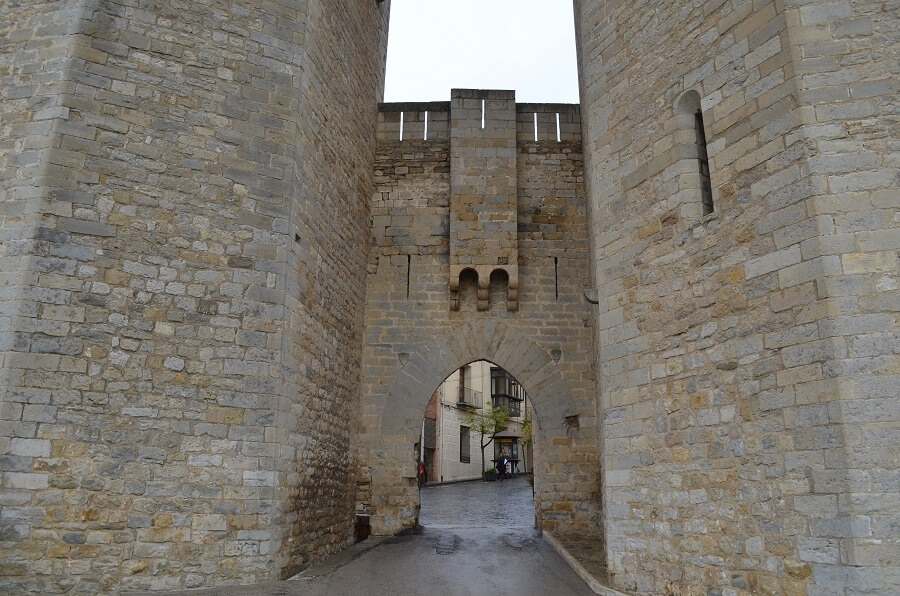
[(230, 280)]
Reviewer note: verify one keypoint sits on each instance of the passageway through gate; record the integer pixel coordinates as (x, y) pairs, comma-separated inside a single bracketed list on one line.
[(462, 520), (398, 411), (476, 451), (478, 504)]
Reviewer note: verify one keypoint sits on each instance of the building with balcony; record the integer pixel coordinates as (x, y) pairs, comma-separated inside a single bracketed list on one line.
[(450, 447)]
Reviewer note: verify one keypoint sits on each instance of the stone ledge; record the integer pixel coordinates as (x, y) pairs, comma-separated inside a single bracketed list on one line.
[(597, 584), (340, 559)]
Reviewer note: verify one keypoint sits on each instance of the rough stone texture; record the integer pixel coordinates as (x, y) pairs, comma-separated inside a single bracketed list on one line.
[(184, 201), (414, 340), (186, 205), (748, 358), (483, 189)]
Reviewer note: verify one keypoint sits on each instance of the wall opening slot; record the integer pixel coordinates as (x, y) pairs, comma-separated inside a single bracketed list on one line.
[(482, 113), (558, 132), (401, 126), (408, 271), (703, 158), (535, 127), (556, 276), (690, 104), (425, 138)]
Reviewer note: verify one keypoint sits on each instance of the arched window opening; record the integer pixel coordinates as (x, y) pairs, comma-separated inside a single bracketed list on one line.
[(468, 290), (499, 291)]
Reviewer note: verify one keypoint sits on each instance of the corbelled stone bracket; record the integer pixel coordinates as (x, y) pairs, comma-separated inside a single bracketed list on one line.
[(484, 285), (483, 192)]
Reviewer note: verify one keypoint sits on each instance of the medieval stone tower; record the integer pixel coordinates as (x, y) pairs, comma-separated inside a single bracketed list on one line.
[(228, 286), (185, 220), (747, 324)]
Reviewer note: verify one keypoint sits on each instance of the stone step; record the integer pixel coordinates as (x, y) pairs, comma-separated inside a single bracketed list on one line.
[(587, 557)]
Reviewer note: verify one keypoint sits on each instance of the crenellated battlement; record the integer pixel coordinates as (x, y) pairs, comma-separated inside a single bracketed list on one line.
[(548, 123), (483, 132), (541, 123), (410, 121)]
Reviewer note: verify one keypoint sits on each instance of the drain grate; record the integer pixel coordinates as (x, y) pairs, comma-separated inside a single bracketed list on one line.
[(447, 544)]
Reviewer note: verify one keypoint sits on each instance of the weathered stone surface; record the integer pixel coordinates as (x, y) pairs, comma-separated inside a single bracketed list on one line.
[(183, 231), (483, 193), (762, 324), (203, 295), (410, 308)]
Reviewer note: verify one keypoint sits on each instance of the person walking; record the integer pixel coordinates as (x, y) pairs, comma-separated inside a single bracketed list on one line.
[(501, 467)]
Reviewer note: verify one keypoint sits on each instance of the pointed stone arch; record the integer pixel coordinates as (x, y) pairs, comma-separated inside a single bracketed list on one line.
[(434, 360), (394, 493)]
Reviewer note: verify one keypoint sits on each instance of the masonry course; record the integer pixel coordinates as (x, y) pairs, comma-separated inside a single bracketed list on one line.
[(732, 345), (228, 289), (176, 360)]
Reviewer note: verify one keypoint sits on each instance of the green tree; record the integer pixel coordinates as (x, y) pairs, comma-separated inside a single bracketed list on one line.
[(487, 423), (527, 434)]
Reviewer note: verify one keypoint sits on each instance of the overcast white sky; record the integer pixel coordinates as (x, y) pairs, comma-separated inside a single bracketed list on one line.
[(525, 45)]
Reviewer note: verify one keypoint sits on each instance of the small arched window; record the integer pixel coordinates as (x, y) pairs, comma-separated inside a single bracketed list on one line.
[(689, 104), (499, 289), (468, 290)]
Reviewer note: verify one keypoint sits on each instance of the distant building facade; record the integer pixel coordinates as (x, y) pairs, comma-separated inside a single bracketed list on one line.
[(450, 446)]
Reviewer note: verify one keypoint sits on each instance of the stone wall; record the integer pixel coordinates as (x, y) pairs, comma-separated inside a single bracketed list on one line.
[(184, 203), (414, 340), (483, 188), (191, 320), (748, 357)]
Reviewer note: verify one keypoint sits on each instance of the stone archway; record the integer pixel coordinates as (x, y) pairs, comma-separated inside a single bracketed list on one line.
[(394, 494), (478, 192)]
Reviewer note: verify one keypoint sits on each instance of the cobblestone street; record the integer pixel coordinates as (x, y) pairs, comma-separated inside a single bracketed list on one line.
[(507, 504)]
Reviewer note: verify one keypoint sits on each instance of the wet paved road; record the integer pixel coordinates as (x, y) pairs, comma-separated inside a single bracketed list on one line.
[(478, 540), (478, 504)]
